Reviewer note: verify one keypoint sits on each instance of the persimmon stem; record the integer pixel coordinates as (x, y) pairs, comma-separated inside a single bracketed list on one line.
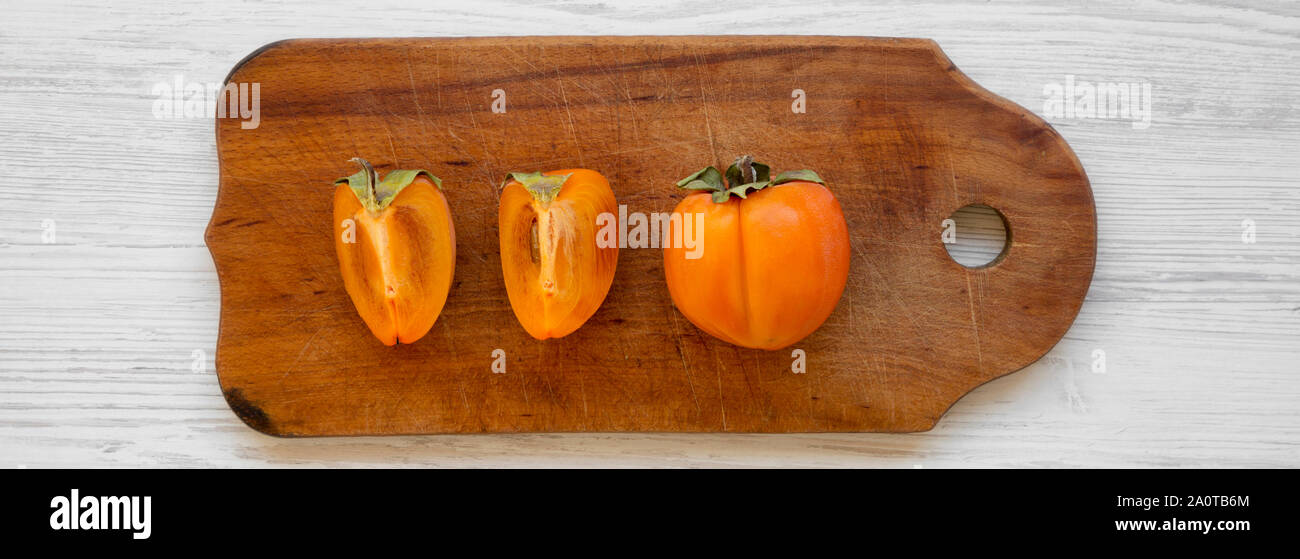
[(746, 165), (372, 177)]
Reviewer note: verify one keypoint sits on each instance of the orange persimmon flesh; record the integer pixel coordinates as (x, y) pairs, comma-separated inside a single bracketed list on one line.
[(396, 247), (555, 273), (774, 260)]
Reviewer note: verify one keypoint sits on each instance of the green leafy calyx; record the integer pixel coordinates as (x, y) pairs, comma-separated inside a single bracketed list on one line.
[(742, 177), (376, 194), (544, 188)]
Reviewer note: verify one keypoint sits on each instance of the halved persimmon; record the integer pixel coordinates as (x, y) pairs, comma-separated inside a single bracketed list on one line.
[(774, 259), (397, 250), (556, 273)]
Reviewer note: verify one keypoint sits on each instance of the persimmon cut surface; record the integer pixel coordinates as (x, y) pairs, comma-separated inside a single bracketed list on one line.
[(396, 246), (555, 273), (774, 261)]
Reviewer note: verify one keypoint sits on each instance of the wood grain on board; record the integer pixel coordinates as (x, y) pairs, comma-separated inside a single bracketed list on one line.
[(901, 136)]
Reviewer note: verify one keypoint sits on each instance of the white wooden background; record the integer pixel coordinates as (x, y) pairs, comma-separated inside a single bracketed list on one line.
[(1200, 331)]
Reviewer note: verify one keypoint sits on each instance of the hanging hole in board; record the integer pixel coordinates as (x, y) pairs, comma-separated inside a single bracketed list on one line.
[(976, 236)]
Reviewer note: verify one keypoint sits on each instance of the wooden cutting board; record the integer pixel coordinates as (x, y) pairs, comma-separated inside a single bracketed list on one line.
[(901, 136)]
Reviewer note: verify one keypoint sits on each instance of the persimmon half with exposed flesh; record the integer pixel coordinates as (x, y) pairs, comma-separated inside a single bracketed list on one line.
[(556, 273), (397, 249), (773, 256)]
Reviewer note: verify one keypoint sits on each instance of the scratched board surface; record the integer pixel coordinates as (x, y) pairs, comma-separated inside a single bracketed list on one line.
[(901, 136)]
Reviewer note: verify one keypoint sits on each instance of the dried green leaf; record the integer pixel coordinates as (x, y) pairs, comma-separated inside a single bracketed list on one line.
[(800, 175)]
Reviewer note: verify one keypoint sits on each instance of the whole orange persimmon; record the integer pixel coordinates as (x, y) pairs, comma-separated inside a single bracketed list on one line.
[(397, 249), (773, 256), (556, 273)]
